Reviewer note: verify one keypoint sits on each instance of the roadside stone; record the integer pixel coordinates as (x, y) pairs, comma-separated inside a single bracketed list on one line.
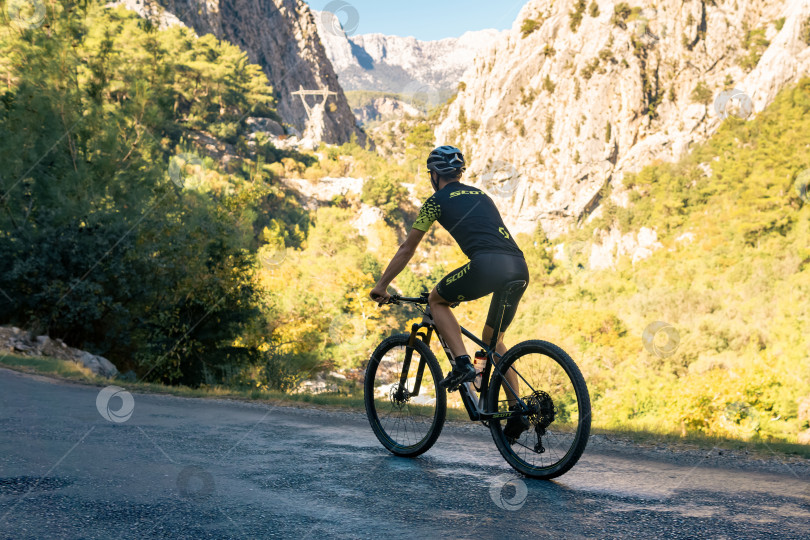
[(15, 340), (108, 369), (266, 125)]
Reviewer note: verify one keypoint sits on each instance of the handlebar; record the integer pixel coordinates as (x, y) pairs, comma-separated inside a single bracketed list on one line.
[(423, 299), (397, 299)]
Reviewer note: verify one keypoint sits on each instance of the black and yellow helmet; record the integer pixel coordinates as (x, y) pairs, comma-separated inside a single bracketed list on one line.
[(446, 161)]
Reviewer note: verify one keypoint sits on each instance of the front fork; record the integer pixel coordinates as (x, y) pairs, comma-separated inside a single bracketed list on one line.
[(406, 366)]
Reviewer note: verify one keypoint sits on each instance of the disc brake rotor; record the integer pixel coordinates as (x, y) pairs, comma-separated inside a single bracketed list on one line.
[(399, 395)]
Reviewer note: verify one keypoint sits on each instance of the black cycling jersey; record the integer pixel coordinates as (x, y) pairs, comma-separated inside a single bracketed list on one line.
[(471, 218)]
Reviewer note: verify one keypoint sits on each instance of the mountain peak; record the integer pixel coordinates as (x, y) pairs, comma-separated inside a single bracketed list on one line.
[(386, 63)]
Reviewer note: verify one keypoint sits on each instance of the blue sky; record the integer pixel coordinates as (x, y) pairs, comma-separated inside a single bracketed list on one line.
[(423, 19)]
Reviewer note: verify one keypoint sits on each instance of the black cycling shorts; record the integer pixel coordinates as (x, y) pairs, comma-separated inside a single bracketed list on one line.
[(485, 274)]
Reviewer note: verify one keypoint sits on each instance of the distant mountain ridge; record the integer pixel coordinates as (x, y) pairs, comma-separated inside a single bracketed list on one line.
[(397, 64)]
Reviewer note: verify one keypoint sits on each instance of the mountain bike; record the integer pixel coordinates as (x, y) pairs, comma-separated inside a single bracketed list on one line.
[(406, 406)]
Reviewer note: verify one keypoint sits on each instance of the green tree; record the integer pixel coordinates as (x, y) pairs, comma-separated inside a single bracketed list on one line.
[(701, 93), (386, 194), (105, 241)]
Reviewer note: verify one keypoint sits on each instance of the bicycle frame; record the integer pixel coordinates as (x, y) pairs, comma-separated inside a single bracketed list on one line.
[(476, 408)]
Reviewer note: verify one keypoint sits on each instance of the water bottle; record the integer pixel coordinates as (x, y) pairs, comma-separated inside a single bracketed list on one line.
[(480, 364)]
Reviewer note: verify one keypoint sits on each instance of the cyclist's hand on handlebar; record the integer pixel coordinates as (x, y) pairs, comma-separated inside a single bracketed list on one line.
[(380, 295)]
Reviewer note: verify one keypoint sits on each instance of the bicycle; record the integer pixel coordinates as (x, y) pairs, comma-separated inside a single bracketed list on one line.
[(406, 407)]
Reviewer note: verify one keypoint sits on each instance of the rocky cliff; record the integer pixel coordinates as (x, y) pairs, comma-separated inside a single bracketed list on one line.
[(400, 64), (281, 36), (383, 108), (580, 93)]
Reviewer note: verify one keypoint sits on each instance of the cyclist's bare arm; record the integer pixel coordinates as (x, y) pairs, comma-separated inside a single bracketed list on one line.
[(397, 265)]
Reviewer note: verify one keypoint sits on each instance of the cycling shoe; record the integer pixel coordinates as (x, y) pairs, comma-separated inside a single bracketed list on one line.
[(461, 374)]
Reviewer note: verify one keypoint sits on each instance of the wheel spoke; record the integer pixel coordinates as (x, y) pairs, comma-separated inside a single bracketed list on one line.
[(551, 387), (405, 423)]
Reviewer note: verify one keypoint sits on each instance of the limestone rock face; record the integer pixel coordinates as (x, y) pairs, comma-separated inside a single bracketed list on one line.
[(384, 108), (149, 10), (281, 36), (552, 115)]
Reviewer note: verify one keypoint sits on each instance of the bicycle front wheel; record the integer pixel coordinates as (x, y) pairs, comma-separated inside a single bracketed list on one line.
[(559, 409), (404, 403)]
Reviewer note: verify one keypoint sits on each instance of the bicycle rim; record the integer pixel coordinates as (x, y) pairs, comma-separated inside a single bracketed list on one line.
[(406, 418), (553, 387)]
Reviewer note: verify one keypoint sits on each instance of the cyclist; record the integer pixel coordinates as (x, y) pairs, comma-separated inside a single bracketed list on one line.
[(473, 220)]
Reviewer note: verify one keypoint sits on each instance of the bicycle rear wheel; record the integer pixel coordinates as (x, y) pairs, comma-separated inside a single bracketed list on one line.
[(550, 383), (404, 404)]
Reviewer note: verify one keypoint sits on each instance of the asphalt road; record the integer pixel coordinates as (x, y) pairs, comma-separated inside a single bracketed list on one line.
[(193, 468)]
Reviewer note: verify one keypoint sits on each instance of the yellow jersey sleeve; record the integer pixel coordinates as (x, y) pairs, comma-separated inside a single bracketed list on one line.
[(429, 213)]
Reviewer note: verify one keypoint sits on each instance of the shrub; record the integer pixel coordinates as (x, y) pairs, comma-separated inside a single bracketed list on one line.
[(621, 12), (528, 97), (462, 119), (589, 68), (576, 15), (754, 43), (701, 93), (549, 135), (548, 85), (521, 127), (528, 26), (804, 33)]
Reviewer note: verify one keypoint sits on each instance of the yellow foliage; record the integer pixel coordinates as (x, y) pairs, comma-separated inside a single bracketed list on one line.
[(382, 240)]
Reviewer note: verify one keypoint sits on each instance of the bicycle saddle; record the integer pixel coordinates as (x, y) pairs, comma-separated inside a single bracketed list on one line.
[(514, 286)]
